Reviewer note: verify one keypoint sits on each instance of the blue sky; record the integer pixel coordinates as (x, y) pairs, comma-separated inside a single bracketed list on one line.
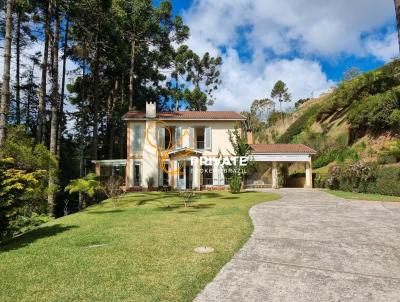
[(306, 43)]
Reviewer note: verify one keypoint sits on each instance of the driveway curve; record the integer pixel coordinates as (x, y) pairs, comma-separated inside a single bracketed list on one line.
[(313, 246)]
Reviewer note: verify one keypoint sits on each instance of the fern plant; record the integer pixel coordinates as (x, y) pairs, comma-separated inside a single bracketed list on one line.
[(87, 185)]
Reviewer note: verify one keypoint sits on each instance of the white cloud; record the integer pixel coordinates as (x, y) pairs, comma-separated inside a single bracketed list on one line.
[(327, 28), (385, 49), (275, 30), (244, 82)]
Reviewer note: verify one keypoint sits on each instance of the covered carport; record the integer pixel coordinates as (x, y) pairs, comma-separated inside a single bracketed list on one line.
[(276, 154)]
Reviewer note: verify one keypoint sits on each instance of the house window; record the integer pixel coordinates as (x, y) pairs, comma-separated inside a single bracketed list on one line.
[(200, 138), (137, 174), (165, 137), (206, 175), (168, 138), (137, 142)]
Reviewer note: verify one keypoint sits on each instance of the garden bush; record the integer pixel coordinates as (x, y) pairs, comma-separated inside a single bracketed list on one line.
[(362, 178), (235, 184)]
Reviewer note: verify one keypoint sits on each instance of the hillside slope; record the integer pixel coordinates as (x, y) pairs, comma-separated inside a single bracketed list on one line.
[(358, 120)]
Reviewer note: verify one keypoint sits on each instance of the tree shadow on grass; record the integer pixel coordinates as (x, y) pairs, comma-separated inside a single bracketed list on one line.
[(180, 207), (30, 237), (106, 212), (230, 197)]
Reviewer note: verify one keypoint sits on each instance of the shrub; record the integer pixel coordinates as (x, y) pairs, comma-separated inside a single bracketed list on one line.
[(235, 184), (394, 118), (320, 181), (17, 186), (150, 183), (23, 223), (364, 178), (340, 155), (384, 158), (347, 154), (187, 197), (387, 182), (113, 188), (375, 111), (353, 178)]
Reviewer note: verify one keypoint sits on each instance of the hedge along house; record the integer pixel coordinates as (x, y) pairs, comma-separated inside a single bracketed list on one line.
[(161, 146)]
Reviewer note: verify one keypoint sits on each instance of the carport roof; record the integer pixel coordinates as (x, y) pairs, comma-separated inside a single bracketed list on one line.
[(281, 148)]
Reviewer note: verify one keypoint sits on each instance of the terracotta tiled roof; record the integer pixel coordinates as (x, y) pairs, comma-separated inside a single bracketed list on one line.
[(281, 148), (188, 115)]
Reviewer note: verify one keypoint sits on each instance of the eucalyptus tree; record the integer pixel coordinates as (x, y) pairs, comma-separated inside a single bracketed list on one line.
[(5, 91)]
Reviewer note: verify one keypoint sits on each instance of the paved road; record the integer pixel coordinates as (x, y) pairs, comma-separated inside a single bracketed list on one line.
[(311, 246)]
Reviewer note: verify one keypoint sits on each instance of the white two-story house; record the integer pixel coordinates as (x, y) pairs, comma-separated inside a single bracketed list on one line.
[(160, 147)]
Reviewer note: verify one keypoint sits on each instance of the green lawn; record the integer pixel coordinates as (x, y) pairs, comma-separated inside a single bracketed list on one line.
[(363, 196), (142, 250)]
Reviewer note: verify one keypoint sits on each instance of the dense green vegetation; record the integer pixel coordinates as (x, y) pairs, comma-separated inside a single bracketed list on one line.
[(362, 178), (140, 250), (302, 123), (24, 169)]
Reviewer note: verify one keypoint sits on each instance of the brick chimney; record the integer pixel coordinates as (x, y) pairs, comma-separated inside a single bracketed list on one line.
[(249, 136), (151, 110)]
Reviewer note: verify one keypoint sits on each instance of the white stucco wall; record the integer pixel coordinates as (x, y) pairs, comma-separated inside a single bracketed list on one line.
[(149, 157)]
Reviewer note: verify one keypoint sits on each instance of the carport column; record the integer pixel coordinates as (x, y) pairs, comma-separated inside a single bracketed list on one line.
[(308, 175), (275, 175)]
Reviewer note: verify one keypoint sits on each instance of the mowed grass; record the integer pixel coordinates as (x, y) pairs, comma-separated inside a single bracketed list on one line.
[(140, 250), (363, 196)]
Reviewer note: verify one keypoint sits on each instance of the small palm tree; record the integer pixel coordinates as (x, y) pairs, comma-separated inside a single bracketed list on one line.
[(87, 185)]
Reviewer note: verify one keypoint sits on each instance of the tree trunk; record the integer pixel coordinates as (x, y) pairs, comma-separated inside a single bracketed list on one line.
[(96, 103), (122, 141), (397, 8), (110, 122), (5, 91), (81, 138), (29, 97), (17, 73), (132, 75), (54, 106), (43, 86), (61, 112)]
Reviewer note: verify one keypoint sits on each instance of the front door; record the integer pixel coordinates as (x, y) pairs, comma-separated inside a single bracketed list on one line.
[(185, 175)]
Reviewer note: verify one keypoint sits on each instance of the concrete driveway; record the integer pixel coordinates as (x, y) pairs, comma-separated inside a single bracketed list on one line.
[(312, 246)]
